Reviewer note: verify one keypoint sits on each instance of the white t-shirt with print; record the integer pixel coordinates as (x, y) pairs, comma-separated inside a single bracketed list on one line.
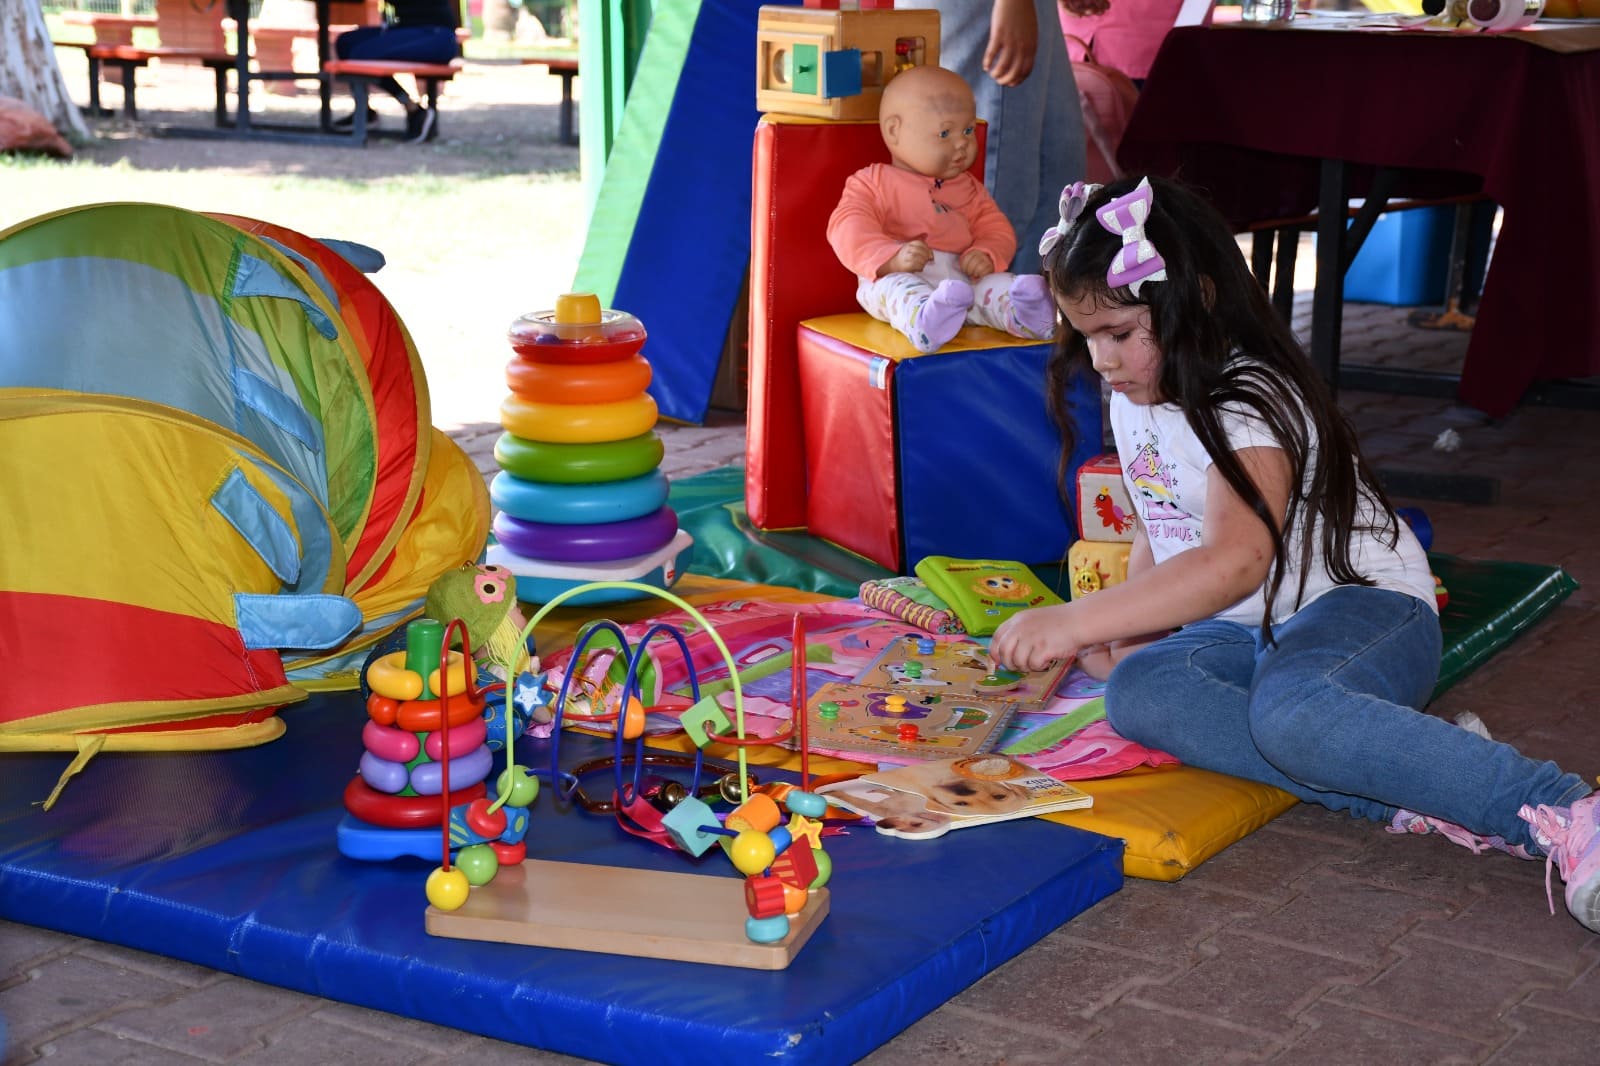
[(1164, 467)]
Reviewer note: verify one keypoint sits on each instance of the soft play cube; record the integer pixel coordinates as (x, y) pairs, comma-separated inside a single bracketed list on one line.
[(951, 453), (1096, 564), (1104, 510)]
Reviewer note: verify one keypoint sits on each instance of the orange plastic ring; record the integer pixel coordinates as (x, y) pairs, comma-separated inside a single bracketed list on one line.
[(422, 716), (578, 382)]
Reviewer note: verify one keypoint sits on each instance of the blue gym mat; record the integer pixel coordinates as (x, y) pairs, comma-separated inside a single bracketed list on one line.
[(228, 860)]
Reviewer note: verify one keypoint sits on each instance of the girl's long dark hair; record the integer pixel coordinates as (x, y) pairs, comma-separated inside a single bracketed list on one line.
[(1208, 313)]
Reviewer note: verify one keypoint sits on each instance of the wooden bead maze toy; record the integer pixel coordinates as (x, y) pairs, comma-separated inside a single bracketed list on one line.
[(772, 837)]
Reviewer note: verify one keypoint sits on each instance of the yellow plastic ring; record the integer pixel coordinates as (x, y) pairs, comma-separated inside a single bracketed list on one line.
[(578, 423), (388, 676)]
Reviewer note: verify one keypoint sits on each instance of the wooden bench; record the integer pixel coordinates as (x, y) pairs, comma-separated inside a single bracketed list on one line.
[(567, 71), (108, 29), (363, 74), (104, 29), (124, 59), (274, 48)]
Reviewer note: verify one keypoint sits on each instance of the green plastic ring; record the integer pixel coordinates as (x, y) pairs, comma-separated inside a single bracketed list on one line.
[(578, 464)]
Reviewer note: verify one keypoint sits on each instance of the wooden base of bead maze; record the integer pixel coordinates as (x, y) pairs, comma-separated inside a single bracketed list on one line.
[(648, 914)]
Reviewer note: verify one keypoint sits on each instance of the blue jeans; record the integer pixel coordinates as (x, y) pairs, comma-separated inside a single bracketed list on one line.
[(1331, 715), (411, 44)]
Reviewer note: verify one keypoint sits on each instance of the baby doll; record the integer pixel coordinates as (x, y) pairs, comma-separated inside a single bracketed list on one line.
[(924, 237)]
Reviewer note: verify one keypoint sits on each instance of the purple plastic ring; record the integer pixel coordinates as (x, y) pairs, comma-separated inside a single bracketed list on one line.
[(594, 543)]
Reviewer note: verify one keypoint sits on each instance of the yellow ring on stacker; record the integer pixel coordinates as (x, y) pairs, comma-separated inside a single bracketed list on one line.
[(578, 423)]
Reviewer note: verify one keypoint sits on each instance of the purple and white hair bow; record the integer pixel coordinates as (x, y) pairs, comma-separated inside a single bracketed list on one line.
[(1073, 197), (1137, 261)]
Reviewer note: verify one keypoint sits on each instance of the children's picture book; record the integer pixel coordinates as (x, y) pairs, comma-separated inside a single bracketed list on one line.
[(929, 799), (984, 592)]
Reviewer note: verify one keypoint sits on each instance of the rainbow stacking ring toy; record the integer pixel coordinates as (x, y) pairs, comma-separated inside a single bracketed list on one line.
[(579, 497)]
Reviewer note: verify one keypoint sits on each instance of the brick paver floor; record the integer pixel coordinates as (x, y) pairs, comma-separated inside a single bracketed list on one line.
[(1315, 940)]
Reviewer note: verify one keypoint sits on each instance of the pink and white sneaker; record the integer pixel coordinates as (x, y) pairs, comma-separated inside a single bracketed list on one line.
[(1570, 837)]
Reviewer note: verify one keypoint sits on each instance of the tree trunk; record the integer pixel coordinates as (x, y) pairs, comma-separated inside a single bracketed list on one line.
[(28, 68)]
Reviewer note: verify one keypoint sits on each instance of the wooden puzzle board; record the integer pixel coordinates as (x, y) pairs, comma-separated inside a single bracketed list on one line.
[(960, 669), (942, 725), (650, 914)]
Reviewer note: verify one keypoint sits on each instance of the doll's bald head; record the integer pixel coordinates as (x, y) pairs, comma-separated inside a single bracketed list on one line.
[(928, 117)]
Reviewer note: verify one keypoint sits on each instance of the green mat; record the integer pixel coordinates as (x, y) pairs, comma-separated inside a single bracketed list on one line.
[(1491, 603)]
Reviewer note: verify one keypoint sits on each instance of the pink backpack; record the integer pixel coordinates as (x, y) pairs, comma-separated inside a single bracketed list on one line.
[(1107, 96)]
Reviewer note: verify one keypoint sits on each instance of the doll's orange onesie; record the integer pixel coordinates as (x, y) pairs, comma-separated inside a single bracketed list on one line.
[(884, 206)]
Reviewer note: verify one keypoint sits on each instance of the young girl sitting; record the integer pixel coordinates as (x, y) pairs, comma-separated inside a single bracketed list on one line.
[(924, 237), (1306, 632)]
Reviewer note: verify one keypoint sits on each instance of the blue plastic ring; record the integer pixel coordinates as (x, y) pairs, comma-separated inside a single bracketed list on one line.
[(571, 505)]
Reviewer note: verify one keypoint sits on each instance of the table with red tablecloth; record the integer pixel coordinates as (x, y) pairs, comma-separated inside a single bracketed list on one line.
[(1254, 116)]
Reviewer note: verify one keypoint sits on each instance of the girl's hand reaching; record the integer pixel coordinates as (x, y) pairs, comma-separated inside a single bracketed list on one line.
[(1031, 640)]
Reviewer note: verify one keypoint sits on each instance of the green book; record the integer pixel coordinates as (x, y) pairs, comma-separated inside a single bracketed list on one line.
[(984, 592)]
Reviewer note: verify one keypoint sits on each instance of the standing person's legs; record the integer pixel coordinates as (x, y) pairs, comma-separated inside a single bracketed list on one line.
[(1035, 130)]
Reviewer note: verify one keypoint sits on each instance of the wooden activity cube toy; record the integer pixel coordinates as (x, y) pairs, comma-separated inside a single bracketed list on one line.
[(832, 63)]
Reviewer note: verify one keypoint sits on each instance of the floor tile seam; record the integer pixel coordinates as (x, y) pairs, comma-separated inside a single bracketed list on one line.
[(1131, 955), (1500, 953), (106, 953), (26, 972), (1379, 964), (255, 1038), (1319, 836), (1411, 1021), (1280, 1038), (1271, 903), (95, 1020), (1125, 989), (1453, 906), (1592, 1018), (177, 1058), (322, 1015), (1015, 1025), (309, 1004)]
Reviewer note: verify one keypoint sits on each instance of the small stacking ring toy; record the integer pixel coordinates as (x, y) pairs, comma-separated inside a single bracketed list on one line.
[(603, 542), (578, 423), (578, 382), (578, 464), (567, 505), (402, 812), (576, 331)]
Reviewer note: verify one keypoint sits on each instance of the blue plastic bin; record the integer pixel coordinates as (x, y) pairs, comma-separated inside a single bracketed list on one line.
[(1405, 260)]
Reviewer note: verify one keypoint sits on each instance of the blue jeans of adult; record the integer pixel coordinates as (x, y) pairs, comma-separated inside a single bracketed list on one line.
[(1330, 713), (1035, 142), (411, 44)]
